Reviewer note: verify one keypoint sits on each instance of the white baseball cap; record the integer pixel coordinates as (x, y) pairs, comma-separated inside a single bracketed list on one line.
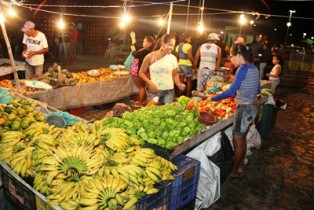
[(213, 36), (28, 25)]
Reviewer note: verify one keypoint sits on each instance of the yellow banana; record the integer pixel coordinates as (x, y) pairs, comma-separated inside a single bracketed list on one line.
[(152, 176), (120, 199), (88, 201), (68, 205), (51, 175), (90, 207), (152, 191), (154, 170), (130, 203)]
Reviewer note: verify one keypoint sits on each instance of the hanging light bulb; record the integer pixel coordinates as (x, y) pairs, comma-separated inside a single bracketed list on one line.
[(161, 21), (200, 27), (126, 18), (61, 24), (11, 11)]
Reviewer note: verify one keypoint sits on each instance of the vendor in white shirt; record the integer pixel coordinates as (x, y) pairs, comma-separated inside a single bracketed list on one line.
[(35, 46)]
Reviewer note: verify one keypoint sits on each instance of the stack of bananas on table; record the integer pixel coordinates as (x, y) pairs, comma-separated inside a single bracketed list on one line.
[(85, 166)]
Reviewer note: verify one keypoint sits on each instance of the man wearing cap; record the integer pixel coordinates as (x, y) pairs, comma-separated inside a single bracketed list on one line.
[(210, 60), (35, 46)]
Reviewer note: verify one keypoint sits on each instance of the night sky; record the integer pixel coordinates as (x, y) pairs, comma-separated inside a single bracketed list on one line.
[(217, 13)]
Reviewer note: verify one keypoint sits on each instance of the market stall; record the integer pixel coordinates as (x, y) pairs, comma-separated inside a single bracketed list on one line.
[(87, 94), (7, 69)]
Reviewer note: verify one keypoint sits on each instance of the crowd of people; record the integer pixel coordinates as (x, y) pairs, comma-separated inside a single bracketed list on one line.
[(196, 62)]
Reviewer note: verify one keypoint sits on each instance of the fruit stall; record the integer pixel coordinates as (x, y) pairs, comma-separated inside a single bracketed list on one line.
[(63, 90), (133, 162), (6, 69)]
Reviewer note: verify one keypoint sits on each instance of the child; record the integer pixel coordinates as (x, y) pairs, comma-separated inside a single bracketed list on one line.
[(274, 73)]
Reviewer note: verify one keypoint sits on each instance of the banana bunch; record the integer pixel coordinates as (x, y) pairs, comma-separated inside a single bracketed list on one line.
[(100, 193), (80, 127), (143, 156), (8, 140), (21, 162), (115, 139), (64, 192), (35, 129)]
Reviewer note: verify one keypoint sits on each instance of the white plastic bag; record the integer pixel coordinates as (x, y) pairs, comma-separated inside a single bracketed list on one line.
[(208, 190), (213, 145)]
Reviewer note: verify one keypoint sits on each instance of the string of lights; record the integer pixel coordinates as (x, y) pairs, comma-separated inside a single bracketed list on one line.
[(146, 4)]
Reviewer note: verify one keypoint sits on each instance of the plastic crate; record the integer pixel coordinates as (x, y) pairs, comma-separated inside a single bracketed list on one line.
[(157, 201), (184, 187), (20, 193), (189, 206)]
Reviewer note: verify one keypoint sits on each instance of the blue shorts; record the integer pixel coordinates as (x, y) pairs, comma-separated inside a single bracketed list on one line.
[(243, 118), (185, 70)]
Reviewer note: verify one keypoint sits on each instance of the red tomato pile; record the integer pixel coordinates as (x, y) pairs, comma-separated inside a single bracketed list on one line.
[(221, 109)]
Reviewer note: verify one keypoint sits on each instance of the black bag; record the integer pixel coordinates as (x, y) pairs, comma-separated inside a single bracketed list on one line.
[(224, 157)]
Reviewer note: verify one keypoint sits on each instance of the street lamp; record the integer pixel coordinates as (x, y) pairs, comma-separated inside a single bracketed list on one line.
[(289, 24)]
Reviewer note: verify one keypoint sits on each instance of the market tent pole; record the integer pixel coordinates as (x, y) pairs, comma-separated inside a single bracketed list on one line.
[(7, 42), (169, 19)]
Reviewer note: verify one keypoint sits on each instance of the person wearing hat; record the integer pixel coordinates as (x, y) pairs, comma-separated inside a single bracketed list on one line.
[(245, 87), (35, 46), (210, 60)]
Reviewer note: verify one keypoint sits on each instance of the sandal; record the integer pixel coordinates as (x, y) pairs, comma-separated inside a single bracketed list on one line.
[(137, 105)]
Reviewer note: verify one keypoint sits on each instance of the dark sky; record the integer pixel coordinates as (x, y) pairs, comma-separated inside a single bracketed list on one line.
[(217, 13)]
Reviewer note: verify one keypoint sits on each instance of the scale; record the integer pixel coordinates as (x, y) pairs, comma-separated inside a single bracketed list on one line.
[(218, 79)]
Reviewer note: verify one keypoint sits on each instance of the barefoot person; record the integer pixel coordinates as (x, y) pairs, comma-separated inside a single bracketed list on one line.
[(245, 87)]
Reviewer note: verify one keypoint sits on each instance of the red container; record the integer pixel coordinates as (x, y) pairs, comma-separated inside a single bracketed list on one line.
[(77, 111)]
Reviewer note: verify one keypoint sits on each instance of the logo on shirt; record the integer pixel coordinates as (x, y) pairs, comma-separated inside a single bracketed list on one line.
[(33, 41)]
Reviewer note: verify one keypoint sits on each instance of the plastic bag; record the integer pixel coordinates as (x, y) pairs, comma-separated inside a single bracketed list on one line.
[(208, 190), (128, 61), (213, 145), (134, 67)]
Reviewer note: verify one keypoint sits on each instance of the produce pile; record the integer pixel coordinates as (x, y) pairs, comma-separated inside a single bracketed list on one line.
[(220, 109), (57, 77), (165, 126), (104, 74), (10, 84), (18, 115), (83, 166)]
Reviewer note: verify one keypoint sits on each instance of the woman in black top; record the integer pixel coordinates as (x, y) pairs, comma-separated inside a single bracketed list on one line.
[(140, 55)]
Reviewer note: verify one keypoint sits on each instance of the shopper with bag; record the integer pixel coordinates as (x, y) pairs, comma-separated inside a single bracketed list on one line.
[(245, 87), (136, 64)]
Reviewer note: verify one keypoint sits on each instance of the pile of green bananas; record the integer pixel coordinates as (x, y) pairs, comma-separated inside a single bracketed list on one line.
[(85, 166)]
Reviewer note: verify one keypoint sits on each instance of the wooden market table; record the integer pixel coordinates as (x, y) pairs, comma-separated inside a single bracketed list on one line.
[(87, 94), (6, 69), (203, 136)]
